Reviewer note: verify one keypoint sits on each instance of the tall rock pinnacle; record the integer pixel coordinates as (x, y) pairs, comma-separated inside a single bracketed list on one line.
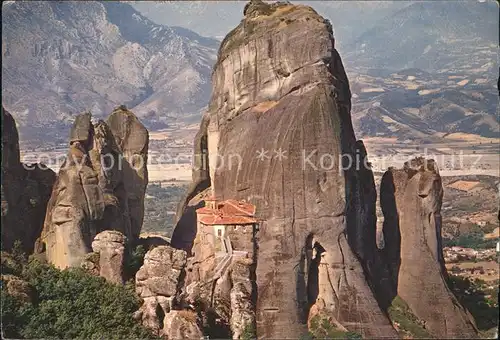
[(277, 125), (25, 191), (411, 201), (100, 187)]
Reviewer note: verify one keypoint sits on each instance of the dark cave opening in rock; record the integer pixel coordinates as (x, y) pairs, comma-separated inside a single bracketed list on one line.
[(302, 270), (308, 276), (313, 274), (391, 253), (215, 326), (160, 315)]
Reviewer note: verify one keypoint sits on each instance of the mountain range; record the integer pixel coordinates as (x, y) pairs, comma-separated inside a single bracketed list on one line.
[(428, 70), (422, 114), (217, 18), (61, 58), (438, 36)]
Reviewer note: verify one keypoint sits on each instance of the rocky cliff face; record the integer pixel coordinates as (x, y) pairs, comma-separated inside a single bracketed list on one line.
[(242, 302), (100, 187), (110, 248), (281, 105), (158, 283), (278, 134), (181, 325), (132, 139), (411, 202), (25, 191)]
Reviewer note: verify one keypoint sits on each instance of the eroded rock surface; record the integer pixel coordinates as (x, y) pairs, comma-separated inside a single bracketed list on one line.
[(242, 302), (411, 201), (110, 245), (25, 191), (77, 202), (184, 235), (96, 189), (158, 283), (279, 119), (90, 264), (181, 325), (132, 139)]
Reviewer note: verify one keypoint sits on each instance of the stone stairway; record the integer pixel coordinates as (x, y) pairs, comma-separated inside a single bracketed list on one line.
[(226, 261)]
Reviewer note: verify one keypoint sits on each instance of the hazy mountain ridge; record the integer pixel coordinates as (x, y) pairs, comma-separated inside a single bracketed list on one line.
[(416, 105), (440, 36), (225, 15), (60, 58), (428, 70)]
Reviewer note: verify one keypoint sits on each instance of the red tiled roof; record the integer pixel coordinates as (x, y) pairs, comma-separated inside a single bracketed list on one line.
[(225, 220), (228, 212), (204, 210)]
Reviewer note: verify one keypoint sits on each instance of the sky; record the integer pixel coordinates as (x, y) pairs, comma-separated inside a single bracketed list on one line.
[(217, 18)]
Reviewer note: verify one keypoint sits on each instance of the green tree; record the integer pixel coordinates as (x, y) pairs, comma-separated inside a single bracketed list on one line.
[(322, 328), (474, 240), (472, 295), (409, 324), (71, 304), (249, 332), (134, 262), (14, 313)]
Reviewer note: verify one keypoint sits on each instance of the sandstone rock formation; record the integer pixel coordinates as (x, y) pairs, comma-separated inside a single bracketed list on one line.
[(158, 283), (277, 125), (110, 245), (242, 302), (90, 263), (77, 202), (411, 202), (181, 324), (25, 191), (186, 216), (132, 139), (99, 187)]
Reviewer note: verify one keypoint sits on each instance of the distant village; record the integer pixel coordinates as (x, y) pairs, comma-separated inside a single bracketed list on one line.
[(460, 254), (474, 264)]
